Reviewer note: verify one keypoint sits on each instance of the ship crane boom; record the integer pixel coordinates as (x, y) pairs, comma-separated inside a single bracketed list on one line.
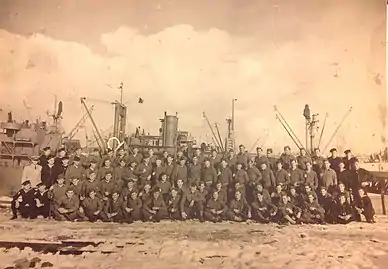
[(219, 137), (76, 128), (337, 129), (98, 134), (289, 131), (211, 129)]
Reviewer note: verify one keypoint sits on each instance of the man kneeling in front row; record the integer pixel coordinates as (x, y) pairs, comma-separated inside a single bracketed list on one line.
[(23, 201), (68, 207), (215, 209), (92, 207), (191, 204), (238, 210)]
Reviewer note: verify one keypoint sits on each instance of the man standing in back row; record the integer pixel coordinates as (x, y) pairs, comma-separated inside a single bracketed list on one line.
[(348, 159), (334, 160)]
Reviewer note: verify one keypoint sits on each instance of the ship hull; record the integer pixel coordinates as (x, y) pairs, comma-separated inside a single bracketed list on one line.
[(10, 180)]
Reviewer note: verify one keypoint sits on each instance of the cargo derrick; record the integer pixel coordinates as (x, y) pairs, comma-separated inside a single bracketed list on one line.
[(169, 137)]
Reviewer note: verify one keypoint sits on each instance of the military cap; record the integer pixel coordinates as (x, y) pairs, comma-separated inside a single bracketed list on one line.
[(259, 148), (269, 151), (35, 158), (40, 184), (46, 148), (347, 151), (26, 182), (333, 149), (61, 149), (287, 147)]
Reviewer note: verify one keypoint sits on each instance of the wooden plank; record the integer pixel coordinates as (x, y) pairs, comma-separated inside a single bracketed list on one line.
[(70, 247)]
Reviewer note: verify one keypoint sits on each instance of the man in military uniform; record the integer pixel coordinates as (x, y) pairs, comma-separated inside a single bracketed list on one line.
[(318, 161), (61, 155), (44, 157), (286, 158), (348, 159), (135, 156), (260, 158), (360, 178), (271, 160), (32, 172), (328, 177), (78, 154), (231, 160), (23, 201), (68, 207), (199, 155), (303, 159), (242, 156), (334, 160)]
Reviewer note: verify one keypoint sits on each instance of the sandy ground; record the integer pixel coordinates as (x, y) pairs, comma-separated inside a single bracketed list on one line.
[(204, 245)]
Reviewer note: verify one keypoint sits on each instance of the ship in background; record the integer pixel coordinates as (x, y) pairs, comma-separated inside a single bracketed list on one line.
[(21, 140)]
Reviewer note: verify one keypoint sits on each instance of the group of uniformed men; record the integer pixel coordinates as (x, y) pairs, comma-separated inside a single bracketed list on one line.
[(129, 186)]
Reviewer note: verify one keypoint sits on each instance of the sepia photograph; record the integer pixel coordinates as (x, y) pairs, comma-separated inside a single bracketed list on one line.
[(193, 134)]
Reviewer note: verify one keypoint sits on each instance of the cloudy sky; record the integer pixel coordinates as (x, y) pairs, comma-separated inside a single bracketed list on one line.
[(193, 56)]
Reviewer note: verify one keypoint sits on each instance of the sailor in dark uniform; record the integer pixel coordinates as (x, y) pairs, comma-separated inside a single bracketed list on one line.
[(61, 155), (43, 158), (23, 201), (360, 178), (318, 161), (334, 160), (348, 159)]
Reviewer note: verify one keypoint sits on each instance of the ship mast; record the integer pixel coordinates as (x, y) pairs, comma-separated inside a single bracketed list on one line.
[(311, 129), (230, 140)]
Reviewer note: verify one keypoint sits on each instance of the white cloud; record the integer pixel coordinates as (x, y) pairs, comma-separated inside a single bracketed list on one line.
[(188, 71)]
